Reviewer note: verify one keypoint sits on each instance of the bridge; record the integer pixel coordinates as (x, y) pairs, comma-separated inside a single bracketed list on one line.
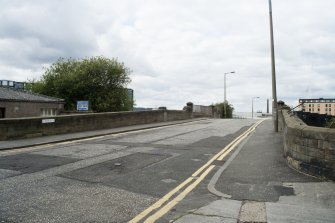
[(190, 170)]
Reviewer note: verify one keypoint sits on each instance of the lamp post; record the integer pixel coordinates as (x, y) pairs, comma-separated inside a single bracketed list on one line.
[(273, 68), (252, 107), (225, 99)]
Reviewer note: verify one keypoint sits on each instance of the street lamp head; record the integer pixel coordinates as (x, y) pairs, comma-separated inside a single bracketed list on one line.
[(232, 72)]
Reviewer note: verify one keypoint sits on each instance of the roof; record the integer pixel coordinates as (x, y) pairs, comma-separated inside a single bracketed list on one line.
[(11, 94)]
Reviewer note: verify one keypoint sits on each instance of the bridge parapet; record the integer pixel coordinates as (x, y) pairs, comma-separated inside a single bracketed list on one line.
[(15, 128), (308, 149)]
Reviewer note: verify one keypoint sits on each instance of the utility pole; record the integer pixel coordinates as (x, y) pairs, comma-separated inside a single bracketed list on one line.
[(273, 66)]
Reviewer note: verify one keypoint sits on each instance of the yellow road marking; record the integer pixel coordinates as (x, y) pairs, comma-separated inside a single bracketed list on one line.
[(161, 201), (219, 156), (177, 199)]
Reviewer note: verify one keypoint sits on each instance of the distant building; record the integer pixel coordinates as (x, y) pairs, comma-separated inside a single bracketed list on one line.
[(12, 84), (17, 103), (320, 106)]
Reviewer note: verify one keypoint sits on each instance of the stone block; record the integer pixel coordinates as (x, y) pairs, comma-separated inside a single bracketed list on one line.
[(301, 149), (325, 145), (311, 152), (293, 163), (312, 143), (331, 133), (296, 140), (315, 133), (320, 144), (330, 155), (331, 145), (304, 141), (302, 157)]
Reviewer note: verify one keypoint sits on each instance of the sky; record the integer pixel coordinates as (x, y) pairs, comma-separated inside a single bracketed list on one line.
[(179, 50)]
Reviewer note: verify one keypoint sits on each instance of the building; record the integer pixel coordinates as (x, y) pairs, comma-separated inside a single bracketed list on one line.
[(320, 106), (17, 103)]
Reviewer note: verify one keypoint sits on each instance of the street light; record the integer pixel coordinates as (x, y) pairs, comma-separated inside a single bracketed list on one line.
[(273, 68), (225, 99), (252, 107)]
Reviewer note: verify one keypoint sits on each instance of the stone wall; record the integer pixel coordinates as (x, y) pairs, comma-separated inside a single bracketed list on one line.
[(40, 126), (308, 149)]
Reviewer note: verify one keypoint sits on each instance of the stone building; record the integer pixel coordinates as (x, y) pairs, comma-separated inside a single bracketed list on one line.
[(320, 106), (17, 103)]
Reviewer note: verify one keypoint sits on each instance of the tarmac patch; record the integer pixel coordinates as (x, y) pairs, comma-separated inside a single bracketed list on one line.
[(30, 163), (109, 170)]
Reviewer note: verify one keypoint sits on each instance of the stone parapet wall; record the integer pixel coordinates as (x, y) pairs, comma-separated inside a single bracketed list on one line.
[(308, 149), (40, 126)]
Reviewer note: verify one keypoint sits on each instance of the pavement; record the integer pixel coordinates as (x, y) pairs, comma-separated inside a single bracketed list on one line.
[(256, 185), (36, 141)]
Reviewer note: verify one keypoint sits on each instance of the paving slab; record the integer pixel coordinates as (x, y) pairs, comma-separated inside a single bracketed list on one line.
[(252, 211), (224, 208), (191, 218), (278, 213)]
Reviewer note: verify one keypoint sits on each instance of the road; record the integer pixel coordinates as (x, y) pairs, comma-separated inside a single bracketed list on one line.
[(118, 177)]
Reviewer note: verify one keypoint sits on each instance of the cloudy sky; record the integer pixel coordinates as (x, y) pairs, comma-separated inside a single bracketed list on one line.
[(179, 50)]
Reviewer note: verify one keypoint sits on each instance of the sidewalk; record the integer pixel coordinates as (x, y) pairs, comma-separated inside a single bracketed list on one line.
[(19, 143), (258, 186)]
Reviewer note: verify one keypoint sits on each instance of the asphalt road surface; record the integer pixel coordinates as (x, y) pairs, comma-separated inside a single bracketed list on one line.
[(111, 178), (115, 178)]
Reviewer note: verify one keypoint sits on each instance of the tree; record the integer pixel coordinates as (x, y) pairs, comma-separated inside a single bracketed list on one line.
[(220, 109), (99, 80)]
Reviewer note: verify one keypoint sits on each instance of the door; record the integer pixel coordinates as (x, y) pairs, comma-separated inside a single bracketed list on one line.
[(2, 112)]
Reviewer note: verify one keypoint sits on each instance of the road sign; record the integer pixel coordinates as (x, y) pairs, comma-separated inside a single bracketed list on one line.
[(82, 105)]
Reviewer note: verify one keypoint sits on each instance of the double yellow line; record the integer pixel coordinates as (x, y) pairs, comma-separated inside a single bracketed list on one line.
[(195, 179)]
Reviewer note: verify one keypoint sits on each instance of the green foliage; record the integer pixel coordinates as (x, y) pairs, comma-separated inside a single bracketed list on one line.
[(221, 110), (99, 80), (331, 124)]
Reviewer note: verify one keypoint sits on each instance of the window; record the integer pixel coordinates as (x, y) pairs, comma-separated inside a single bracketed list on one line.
[(313, 105), (309, 110), (318, 105), (48, 112), (309, 105), (326, 105)]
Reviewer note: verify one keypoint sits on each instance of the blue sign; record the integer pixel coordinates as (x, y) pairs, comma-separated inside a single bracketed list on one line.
[(82, 105)]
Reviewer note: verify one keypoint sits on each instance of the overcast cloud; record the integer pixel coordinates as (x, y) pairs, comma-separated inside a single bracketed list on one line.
[(179, 50)]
